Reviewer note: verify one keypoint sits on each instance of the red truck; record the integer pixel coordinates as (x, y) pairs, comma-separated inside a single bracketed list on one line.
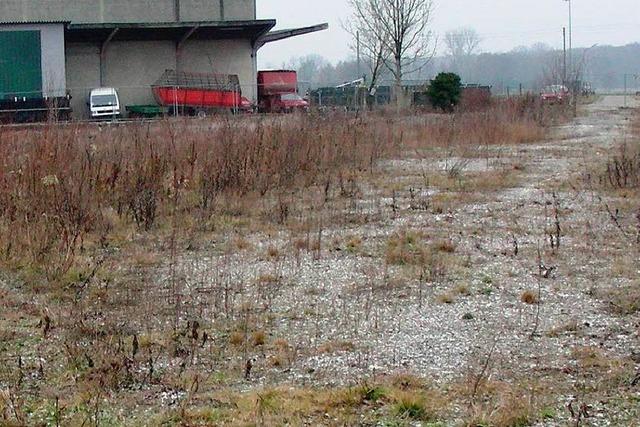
[(278, 92), (555, 94)]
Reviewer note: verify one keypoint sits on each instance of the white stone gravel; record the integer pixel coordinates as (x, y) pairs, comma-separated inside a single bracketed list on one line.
[(330, 299)]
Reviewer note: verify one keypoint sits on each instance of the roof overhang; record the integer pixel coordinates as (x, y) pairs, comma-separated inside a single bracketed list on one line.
[(278, 35), (34, 23), (174, 31)]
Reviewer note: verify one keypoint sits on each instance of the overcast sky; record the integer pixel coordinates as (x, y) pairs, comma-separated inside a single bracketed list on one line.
[(503, 24)]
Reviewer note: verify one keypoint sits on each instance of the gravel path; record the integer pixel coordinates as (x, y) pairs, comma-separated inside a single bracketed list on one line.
[(349, 315)]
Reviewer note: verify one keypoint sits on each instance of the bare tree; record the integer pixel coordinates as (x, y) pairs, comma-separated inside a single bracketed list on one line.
[(553, 71), (369, 39), (462, 42), (403, 29), (308, 67), (461, 45)]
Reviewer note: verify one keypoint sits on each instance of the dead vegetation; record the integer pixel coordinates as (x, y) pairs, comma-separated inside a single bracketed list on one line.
[(182, 273)]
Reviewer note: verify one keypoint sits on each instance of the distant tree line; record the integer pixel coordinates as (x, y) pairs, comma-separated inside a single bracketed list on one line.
[(532, 67)]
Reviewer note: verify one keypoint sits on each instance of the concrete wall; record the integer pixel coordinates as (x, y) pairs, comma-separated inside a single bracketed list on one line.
[(222, 56), (83, 74), (52, 55), (132, 67), (239, 9), (94, 11)]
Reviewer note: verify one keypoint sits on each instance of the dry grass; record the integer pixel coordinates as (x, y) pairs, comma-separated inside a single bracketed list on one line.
[(259, 338), (463, 289), (95, 222), (513, 121), (445, 246), (165, 175), (623, 300), (336, 346), (407, 247), (446, 298), (529, 297), (66, 190)]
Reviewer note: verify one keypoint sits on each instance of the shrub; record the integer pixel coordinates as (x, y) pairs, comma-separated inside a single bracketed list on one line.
[(444, 91), (622, 169)]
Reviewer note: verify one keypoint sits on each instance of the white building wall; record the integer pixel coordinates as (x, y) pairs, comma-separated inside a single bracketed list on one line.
[(52, 55)]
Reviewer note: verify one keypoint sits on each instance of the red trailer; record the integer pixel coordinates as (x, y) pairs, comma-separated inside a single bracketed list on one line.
[(200, 93), (278, 92)]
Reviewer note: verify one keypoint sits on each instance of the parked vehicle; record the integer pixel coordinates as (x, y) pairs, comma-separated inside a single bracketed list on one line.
[(199, 94), (555, 94), (284, 103), (587, 89), (104, 103), (31, 90), (278, 92), (146, 111)]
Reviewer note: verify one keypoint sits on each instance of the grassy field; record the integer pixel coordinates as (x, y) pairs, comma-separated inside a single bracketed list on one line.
[(476, 269)]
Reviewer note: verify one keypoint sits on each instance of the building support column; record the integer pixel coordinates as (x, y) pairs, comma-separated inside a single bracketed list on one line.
[(103, 56), (176, 9), (180, 44), (254, 63)]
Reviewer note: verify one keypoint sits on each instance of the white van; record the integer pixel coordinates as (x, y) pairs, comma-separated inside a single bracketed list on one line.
[(104, 103)]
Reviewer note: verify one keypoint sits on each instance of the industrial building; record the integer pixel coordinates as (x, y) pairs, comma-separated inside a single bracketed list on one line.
[(72, 46)]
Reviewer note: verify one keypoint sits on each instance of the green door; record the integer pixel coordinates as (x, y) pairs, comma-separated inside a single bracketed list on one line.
[(20, 64)]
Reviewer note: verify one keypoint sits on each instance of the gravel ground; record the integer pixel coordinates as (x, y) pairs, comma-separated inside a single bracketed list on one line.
[(351, 315)]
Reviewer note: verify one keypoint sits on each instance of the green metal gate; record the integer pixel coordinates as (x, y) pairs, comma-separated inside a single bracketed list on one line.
[(20, 64)]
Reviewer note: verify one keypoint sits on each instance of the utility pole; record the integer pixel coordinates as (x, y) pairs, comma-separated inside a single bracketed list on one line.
[(358, 51), (635, 79), (564, 60), (625, 90), (570, 38), (572, 75), (357, 87)]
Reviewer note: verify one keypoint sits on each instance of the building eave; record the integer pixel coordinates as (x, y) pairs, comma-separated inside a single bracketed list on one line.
[(175, 31), (277, 35)]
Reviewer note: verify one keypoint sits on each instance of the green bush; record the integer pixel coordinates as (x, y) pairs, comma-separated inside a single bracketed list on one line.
[(445, 91)]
